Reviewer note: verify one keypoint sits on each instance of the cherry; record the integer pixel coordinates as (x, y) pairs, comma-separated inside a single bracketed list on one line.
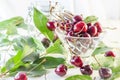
[(92, 31), (80, 27), (89, 24), (61, 70), (86, 70), (45, 42), (97, 34), (50, 25), (105, 72), (20, 76), (77, 18), (109, 54), (76, 61), (99, 27), (85, 35)]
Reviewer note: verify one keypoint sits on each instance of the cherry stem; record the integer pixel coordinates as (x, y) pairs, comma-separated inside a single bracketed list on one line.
[(97, 61), (1, 75), (37, 65)]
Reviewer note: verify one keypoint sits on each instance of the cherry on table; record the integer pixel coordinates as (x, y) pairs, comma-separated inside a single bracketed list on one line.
[(61, 70), (109, 54), (76, 61), (86, 70), (105, 72), (20, 76)]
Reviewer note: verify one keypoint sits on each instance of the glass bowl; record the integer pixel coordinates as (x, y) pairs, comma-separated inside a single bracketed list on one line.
[(83, 46)]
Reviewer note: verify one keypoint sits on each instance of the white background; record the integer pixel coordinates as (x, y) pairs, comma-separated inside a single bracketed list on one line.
[(105, 9)]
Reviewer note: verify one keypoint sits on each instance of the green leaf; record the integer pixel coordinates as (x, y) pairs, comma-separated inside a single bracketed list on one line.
[(13, 63), (104, 61), (51, 62), (101, 50), (79, 77), (55, 48), (90, 19), (116, 67), (21, 42), (31, 57), (39, 71), (40, 21), (115, 76), (11, 22), (4, 41), (11, 30), (22, 25)]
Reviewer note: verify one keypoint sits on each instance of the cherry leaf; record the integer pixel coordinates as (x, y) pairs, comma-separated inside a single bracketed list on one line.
[(40, 21), (79, 77)]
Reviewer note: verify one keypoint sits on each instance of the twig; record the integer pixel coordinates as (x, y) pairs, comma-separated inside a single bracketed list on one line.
[(37, 65), (97, 61)]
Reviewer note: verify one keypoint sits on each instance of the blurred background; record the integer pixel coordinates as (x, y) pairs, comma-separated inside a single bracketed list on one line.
[(108, 12), (105, 9)]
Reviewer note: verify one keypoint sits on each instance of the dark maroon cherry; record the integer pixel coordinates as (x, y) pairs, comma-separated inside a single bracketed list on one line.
[(61, 70), (50, 25), (86, 70), (99, 27), (77, 18), (20, 76), (109, 54), (89, 24), (92, 31), (105, 72), (84, 35), (45, 42), (80, 27), (76, 61)]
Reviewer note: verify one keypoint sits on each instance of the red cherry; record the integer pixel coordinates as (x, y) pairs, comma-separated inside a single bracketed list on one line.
[(85, 35), (76, 61), (99, 27), (50, 25), (109, 54), (77, 18), (20, 76), (80, 27), (105, 72), (61, 70), (92, 31), (97, 34), (89, 24), (86, 70)]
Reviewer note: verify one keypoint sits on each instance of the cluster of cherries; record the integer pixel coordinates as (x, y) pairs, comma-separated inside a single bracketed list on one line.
[(104, 72), (77, 27)]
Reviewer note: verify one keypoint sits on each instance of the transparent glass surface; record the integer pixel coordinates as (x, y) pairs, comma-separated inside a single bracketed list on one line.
[(83, 46)]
